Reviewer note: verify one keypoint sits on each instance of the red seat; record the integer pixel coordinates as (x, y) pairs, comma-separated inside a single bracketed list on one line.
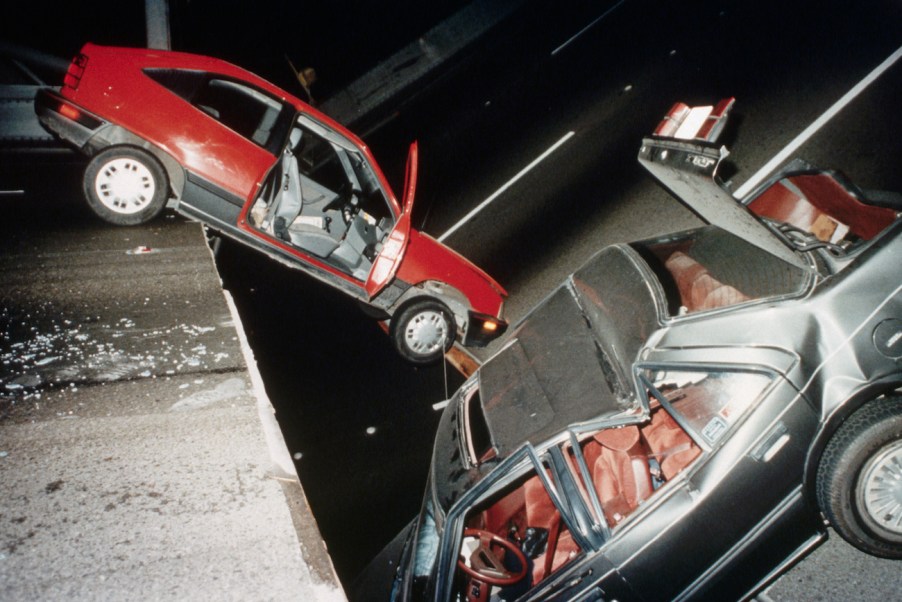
[(669, 444), (817, 203), (619, 468), (698, 289)]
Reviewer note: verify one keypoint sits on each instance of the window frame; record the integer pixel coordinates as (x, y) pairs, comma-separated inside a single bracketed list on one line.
[(189, 94)]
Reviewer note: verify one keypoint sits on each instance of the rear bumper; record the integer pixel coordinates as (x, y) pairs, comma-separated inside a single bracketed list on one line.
[(66, 120)]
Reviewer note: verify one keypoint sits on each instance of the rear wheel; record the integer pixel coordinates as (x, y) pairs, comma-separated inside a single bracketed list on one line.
[(423, 332), (859, 481), (126, 186)]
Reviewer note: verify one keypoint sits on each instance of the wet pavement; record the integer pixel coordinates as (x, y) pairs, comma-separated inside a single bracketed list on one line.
[(138, 451)]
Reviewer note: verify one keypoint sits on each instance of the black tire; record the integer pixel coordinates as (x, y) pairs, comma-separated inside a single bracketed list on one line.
[(419, 330), (859, 479), (125, 186)]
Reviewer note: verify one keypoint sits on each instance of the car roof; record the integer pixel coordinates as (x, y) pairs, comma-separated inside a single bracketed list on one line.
[(144, 58), (570, 360)]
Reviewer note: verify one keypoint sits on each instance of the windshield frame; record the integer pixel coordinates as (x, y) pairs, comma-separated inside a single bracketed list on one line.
[(574, 513)]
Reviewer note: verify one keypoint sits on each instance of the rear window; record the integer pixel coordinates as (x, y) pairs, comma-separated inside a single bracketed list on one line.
[(710, 268), (240, 107)]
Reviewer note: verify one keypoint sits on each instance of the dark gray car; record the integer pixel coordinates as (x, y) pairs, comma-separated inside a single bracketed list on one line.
[(683, 417)]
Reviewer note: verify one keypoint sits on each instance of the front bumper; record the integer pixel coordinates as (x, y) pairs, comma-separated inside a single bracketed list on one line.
[(67, 120), (482, 329)]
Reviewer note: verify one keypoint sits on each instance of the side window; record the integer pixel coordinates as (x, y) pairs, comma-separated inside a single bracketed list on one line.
[(238, 106), (516, 525), (343, 171), (710, 402), (626, 465), (711, 269)]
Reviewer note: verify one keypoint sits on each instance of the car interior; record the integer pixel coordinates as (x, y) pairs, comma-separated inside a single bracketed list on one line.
[(626, 465), (622, 467), (818, 203), (323, 199), (710, 268)]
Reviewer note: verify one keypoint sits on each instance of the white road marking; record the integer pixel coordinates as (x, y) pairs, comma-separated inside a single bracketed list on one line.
[(509, 183), (818, 123), (586, 28)]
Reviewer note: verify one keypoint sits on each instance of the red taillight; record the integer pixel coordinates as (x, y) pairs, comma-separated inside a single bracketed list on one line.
[(75, 71)]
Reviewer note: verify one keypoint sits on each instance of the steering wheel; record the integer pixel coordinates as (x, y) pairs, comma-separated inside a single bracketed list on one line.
[(347, 200), (485, 566)]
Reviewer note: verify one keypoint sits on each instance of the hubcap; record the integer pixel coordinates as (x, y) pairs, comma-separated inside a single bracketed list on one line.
[(880, 488), (125, 185), (426, 333)]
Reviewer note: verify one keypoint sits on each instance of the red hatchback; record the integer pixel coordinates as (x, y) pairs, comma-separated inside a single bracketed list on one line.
[(261, 166)]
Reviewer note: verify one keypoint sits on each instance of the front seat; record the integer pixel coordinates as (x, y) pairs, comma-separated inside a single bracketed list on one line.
[(288, 200)]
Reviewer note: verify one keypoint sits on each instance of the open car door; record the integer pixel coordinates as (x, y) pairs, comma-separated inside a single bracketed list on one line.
[(389, 259)]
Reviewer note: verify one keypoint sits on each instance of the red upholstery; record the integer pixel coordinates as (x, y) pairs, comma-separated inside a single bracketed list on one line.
[(620, 471), (500, 515), (698, 289), (669, 444), (822, 202), (541, 512)]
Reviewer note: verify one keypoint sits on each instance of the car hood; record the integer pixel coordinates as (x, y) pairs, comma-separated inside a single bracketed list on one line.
[(570, 360), (426, 259)]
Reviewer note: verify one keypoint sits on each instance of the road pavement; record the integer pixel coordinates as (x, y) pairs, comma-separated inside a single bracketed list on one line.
[(139, 457)]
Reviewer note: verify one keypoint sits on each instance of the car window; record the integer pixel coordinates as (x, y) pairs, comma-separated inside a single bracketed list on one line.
[(523, 515), (621, 468), (711, 268), (238, 106), (709, 403)]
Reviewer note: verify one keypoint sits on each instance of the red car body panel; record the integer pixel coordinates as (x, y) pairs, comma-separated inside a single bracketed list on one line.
[(428, 259), (389, 260), (113, 84)]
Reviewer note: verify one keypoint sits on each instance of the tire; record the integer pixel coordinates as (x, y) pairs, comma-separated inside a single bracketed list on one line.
[(423, 331), (859, 479), (125, 186)]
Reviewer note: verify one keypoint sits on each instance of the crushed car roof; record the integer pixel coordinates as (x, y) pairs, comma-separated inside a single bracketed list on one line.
[(573, 354)]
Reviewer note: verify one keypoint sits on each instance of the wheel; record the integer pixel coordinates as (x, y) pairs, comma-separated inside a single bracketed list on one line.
[(423, 332), (486, 566), (125, 186), (859, 480)]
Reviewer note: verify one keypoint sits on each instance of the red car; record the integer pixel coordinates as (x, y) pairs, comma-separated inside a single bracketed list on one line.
[(261, 166)]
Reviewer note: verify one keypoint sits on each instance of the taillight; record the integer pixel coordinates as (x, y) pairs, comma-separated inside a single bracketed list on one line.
[(75, 71)]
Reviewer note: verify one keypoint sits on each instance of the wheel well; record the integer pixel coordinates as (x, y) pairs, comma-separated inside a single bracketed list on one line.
[(859, 399), (114, 135), (456, 302)]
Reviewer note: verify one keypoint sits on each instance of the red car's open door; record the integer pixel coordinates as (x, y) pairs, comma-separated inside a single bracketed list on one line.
[(389, 259)]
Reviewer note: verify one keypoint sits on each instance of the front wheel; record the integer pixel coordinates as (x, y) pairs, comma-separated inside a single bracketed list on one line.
[(859, 480), (423, 332), (125, 186)]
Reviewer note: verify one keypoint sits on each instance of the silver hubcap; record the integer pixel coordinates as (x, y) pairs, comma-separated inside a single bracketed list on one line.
[(426, 333), (125, 185), (880, 488)]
